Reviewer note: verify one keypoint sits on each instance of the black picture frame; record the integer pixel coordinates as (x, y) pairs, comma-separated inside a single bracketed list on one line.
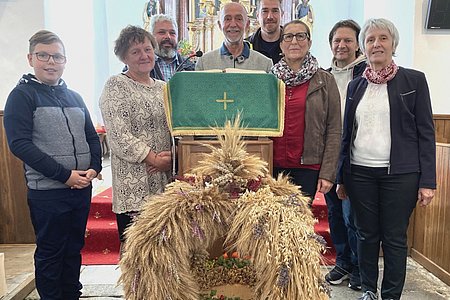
[(438, 14)]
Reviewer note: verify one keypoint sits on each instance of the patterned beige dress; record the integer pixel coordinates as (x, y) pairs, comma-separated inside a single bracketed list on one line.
[(136, 123)]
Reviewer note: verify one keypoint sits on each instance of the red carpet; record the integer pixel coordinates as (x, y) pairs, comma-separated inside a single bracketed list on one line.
[(321, 213), (102, 240)]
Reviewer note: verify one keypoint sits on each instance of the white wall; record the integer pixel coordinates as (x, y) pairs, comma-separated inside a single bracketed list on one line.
[(87, 36), (73, 23), (419, 48), (401, 13), (89, 28), (19, 20), (326, 14), (431, 54)]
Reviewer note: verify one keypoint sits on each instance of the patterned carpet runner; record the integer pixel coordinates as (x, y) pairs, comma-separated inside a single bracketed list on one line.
[(101, 237), (102, 240)]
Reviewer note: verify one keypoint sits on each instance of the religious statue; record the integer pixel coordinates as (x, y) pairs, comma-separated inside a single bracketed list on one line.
[(304, 12), (151, 7), (206, 7)]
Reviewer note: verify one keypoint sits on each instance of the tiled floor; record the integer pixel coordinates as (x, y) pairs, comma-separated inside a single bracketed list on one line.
[(100, 283)]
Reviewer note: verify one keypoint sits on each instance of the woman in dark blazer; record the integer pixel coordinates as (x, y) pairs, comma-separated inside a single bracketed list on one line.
[(388, 158)]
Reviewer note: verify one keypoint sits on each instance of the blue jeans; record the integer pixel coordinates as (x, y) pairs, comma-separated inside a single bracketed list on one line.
[(382, 204), (59, 225), (342, 230)]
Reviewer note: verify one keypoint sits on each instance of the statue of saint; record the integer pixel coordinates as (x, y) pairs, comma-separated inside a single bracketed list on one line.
[(151, 7), (304, 12)]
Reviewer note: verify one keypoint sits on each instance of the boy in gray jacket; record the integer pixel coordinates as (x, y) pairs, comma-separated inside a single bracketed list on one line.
[(49, 128)]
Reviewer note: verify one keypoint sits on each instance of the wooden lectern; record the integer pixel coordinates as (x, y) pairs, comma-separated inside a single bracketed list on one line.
[(195, 102), (190, 151)]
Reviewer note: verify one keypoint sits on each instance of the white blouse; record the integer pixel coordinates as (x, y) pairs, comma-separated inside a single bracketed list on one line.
[(372, 144)]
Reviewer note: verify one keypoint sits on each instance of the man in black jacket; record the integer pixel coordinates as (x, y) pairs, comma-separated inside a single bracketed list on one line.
[(165, 30), (266, 39)]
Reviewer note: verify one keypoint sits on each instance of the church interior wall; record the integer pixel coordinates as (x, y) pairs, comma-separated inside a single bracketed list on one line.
[(89, 29)]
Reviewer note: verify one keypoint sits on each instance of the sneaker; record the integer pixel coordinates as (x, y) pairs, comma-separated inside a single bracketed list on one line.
[(368, 296), (355, 280), (337, 275)]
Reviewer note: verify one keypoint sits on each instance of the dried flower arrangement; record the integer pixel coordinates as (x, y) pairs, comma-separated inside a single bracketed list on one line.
[(222, 271), (213, 296), (230, 194)]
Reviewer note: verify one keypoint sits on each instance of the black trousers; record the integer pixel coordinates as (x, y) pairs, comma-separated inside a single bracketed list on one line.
[(123, 221), (306, 178), (382, 204), (60, 226)]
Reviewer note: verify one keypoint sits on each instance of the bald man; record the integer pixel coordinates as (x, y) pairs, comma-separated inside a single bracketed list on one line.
[(234, 52)]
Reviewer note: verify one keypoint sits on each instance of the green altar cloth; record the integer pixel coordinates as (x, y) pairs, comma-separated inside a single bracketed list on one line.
[(197, 101)]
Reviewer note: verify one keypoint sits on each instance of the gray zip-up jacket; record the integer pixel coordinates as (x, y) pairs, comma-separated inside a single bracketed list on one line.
[(50, 130)]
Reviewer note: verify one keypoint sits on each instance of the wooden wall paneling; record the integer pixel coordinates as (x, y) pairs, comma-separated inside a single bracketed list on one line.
[(431, 224), (435, 220), (442, 128), (436, 226), (15, 222), (428, 264), (439, 128), (443, 192)]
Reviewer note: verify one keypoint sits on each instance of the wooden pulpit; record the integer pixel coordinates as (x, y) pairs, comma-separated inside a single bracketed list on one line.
[(199, 103), (191, 151)]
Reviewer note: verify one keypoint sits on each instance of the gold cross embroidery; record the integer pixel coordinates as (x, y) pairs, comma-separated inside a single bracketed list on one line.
[(225, 100)]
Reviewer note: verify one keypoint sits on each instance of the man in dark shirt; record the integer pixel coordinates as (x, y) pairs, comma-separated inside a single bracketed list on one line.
[(266, 39)]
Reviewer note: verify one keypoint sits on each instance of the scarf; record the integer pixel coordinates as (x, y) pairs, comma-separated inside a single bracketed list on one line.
[(382, 76), (283, 72)]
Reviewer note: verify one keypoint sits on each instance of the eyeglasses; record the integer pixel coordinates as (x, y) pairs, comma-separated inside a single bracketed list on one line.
[(57, 58), (301, 36)]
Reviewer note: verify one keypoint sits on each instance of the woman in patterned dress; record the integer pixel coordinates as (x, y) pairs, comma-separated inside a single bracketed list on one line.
[(133, 110)]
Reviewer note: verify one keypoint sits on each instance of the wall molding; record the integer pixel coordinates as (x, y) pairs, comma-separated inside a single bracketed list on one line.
[(442, 128)]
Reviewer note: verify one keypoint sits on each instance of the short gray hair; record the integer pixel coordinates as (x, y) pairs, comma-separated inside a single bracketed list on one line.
[(159, 18), (379, 24), (222, 11)]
